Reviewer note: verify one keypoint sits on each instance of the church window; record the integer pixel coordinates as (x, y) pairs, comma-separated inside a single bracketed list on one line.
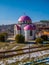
[(30, 32)]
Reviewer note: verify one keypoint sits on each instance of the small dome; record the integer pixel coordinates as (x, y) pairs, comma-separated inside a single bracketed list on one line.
[(29, 27), (24, 19), (18, 27)]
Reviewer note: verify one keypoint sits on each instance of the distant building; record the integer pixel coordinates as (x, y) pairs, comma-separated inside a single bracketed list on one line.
[(42, 25), (42, 28), (7, 28)]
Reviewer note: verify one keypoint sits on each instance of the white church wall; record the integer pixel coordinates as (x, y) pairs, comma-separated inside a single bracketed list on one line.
[(22, 29), (31, 37), (27, 35), (16, 31)]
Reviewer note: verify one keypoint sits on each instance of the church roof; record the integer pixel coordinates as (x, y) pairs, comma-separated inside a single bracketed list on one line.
[(18, 27), (29, 27), (24, 19)]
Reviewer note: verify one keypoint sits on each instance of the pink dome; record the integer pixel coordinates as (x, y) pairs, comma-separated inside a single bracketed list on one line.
[(29, 27), (24, 19), (18, 27)]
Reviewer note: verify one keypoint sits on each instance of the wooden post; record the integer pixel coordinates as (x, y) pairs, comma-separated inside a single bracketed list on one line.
[(29, 51)]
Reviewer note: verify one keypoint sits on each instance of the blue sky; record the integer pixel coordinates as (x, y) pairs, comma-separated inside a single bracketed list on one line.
[(11, 10)]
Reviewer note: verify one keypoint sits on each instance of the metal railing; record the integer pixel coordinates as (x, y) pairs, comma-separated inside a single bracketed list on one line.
[(7, 54)]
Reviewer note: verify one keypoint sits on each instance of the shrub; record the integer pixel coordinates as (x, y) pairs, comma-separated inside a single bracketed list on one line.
[(19, 38), (39, 40), (44, 37), (3, 37)]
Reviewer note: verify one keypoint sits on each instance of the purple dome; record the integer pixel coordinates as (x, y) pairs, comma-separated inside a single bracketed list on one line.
[(29, 27), (25, 19)]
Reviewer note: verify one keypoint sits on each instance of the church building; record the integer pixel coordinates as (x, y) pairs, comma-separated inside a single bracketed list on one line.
[(25, 27)]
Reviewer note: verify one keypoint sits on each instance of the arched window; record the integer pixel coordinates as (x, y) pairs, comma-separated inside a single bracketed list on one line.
[(30, 32), (25, 22)]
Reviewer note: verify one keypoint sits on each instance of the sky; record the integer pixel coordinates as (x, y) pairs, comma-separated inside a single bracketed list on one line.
[(11, 10)]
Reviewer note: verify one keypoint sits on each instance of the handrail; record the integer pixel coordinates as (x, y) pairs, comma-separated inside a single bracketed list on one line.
[(17, 54), (21, 49)]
